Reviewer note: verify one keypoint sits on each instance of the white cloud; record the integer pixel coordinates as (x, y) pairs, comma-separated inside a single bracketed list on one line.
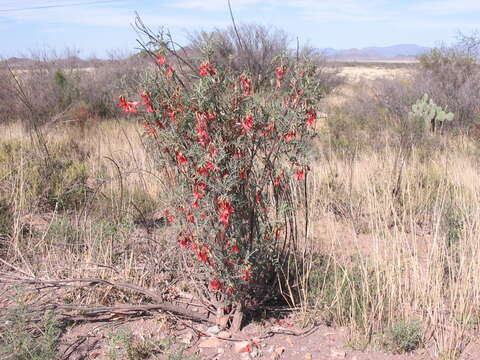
[(342, 10), (446, 7), (118, 15), (221, 5)]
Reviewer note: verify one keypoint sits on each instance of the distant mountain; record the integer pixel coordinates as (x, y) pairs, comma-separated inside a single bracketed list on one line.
[(387, 52), (25, 63)]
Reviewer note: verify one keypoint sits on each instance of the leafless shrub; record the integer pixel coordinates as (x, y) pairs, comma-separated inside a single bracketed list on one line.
[(255, 48), (450, 75), (47, 86), (249, 47)]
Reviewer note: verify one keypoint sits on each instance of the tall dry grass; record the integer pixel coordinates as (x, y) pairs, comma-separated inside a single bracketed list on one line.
[(372, 258), (408, 257)]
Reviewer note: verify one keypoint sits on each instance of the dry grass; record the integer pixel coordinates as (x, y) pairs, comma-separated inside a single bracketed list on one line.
[(400, 258), (376, 258)]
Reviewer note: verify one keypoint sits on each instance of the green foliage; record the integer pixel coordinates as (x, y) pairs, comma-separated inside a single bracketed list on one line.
[(125, 345), (21, 338), (405, 336), (428, 113), (235, 153), (58, 181), (6, 221), (66, 88)]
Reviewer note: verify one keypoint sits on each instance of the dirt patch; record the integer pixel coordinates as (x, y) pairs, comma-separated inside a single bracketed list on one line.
[(157, 338)]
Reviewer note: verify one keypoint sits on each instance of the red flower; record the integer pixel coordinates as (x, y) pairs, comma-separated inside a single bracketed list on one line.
[(202, 133), (128, 107), (181, 158), (209, 165), (184, 241), (170, 71), (278, 233), (190, 218), (196, 191), (258, 197), (169, 216), (203, 256), (311, 117), (207, 69), (230, 290), (147, 101), (269, 129), (225, 210), (300, 174), (242, 175), (215, 285), (247, 86), (171, 114), (247, 274), (279, 72), (278, 179), (202, 171), (247, 123), (290, 136), (212, 150), (151, 130), (160, 60), (235, 249), (206, 169), (195, 204)]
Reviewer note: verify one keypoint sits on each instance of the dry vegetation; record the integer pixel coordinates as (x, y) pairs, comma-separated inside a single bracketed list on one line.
[(392, 250)]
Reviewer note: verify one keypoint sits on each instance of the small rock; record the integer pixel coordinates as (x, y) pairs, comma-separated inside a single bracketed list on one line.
[(187, 338), (225, 334), (213, 330), (277, 353), (338, 353), (308, 356), (223, 320), (243, 347), (255, 353), (209, 343), (289, 341)]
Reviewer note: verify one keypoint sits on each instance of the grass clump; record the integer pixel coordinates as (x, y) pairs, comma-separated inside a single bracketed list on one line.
[(404, 336), (126, 345), (22, 338)]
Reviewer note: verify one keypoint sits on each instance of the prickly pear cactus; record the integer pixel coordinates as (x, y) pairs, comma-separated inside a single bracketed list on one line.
[(427, 112)]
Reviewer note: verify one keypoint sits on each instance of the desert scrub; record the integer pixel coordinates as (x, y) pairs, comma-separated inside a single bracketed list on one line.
[(233, 155), (58, 181), (6, 222), (404, 336), (22, 338), (126, 345)]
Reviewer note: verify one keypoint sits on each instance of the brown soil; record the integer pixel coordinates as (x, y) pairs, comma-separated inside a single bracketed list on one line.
[(94, 341)]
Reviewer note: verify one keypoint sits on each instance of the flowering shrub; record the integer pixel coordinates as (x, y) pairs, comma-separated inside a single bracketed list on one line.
[(235, 153)]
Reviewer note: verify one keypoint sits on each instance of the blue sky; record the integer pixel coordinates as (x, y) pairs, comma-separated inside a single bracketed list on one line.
[(98, 26)]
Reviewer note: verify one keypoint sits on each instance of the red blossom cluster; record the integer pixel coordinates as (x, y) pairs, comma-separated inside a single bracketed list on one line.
[(247, 123), (311, 117), (147, 102), (221, 188), (207, 69), (247, 86), (225, 210), (128, 107), (162, 62), (279, 73)]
